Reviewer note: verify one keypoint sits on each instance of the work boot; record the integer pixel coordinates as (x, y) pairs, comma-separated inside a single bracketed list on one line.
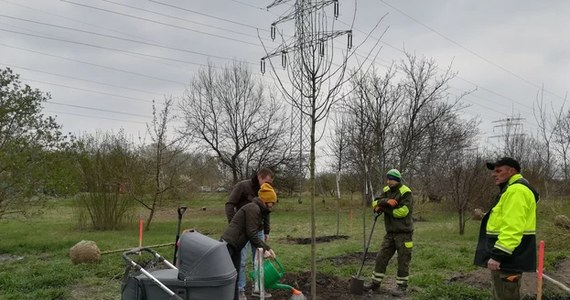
[(373, 286), (242, 296)]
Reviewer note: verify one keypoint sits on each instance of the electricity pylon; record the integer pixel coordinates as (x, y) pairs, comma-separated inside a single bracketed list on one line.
[(308, 35)]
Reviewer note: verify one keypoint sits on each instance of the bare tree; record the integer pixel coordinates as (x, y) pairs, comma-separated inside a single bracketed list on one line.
[(338, 146), (372, 111), (427, 100), (562, 141), (317, 77), (228, 113), (548, 125), (442, 140), (163, 170), (452, 158), (468, 183)]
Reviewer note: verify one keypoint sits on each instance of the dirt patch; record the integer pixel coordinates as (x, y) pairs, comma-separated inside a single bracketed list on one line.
[(480, 279), (352, 258), (333, 287), (319, 239)]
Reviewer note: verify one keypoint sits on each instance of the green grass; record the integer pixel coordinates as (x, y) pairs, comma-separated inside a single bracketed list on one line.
[(46, 272)]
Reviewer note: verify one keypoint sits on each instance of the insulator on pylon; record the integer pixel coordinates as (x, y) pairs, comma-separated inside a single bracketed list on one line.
[(322, 49), (336, 9), (350, 39), (284, 59), (263, 66), (273, 31)]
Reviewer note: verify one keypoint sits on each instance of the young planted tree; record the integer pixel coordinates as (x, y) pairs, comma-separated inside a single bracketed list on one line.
[(164, 171), (338, 145), (228, 113), (317, 72)]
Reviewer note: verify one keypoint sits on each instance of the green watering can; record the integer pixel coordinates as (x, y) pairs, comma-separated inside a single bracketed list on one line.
[(273, 271)]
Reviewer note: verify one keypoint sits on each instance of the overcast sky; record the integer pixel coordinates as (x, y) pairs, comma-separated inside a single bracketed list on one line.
[(104, 61)]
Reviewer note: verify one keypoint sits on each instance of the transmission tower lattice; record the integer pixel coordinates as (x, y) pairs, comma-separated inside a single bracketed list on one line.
[(306, 15)]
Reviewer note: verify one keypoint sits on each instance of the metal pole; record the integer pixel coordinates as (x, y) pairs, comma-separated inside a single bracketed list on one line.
[(180, 211)]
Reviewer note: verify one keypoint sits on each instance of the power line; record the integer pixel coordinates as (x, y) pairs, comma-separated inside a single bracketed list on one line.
[(181, 19), (93, 117), (402, 51), (98, 109), (120, 38), (74, 20), (103, 47), (469, 50), (161, 23), (207, 15), (88, 90), (81, 79), (67, 86), (92, 64), (386, 43)]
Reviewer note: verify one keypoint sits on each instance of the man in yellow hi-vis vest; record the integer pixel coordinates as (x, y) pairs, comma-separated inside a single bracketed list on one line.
[(397, 204), (507, 238)]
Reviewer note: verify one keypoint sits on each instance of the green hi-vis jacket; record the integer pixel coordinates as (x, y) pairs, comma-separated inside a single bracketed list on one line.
[(508, 230), (398, 219)]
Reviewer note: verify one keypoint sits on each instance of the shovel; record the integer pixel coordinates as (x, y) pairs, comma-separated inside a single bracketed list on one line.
[(181, 211), (357, 284)]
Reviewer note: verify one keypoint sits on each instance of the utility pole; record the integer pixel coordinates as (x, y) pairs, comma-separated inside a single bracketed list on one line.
[(511, 133), (305, 15)]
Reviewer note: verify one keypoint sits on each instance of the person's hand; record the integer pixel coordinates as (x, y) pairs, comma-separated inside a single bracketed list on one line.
[(392, 202), (266, 238), (493, 265), (269, 254), (375, 202), (383, 203), (377, 209)]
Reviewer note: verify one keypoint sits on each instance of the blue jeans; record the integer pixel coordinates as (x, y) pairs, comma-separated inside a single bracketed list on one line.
[(244, 253)]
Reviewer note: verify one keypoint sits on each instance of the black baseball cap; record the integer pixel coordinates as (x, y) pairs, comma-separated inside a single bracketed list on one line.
[(504, 161)]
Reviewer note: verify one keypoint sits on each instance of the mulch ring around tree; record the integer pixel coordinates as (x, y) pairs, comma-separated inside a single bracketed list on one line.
[(319, 239)]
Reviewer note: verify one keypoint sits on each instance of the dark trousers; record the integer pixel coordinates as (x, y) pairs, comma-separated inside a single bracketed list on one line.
[(392, 243), (235, 255), (506, 285)]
